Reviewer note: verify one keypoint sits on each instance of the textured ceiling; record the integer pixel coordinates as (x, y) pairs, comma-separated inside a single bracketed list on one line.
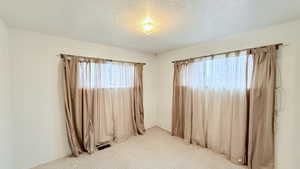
[(116, 22)]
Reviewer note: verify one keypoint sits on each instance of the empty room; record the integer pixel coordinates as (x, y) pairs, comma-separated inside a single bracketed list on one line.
[(149, 84)]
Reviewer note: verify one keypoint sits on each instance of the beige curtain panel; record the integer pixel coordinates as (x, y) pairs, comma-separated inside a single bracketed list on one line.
[(177, 102), (104, 102), (262, 107), (138, 115), (226, 103)]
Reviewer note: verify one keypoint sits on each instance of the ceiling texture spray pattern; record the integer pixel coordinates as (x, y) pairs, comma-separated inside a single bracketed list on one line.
[(178, 23)]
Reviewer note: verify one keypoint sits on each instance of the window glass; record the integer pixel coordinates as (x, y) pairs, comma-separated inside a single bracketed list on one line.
[(220, 72), (106, 75)]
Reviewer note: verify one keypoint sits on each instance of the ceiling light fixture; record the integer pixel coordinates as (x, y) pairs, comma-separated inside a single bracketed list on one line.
[(148, 25)]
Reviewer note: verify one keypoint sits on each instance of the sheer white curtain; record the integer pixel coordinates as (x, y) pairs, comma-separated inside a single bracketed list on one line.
[(214, 103), (111, 88)]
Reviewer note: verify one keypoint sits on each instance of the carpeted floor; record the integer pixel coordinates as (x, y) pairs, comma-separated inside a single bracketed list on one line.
[(154, 150)]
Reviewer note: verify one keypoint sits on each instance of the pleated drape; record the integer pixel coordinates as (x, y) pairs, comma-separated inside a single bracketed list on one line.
[(138, 112), (103, 102), (177, 102), (262, 107), (226, 104), (79, 122)]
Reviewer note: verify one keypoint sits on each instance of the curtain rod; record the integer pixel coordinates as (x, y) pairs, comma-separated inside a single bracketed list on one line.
[(222, 53), (95, 58)]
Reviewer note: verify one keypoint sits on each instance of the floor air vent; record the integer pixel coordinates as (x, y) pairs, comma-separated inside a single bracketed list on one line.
[(103, 146)]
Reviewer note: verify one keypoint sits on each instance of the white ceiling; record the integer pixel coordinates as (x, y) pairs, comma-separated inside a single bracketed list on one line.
[(116, 22)]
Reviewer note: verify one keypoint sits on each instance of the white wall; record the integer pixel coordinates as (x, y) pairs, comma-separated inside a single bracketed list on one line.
[(288, 125), (6, 127), (37, 92)]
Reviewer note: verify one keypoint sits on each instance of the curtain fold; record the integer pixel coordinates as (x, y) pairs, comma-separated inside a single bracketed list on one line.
[(103, 102), (262, 107), (138, 112), (177, 103)]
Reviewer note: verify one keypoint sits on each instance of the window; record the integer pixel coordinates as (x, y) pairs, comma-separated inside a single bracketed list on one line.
[(106, 75), (221, 72)]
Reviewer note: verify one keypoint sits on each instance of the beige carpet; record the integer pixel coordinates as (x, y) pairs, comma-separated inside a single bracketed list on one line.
[(154, 150)]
